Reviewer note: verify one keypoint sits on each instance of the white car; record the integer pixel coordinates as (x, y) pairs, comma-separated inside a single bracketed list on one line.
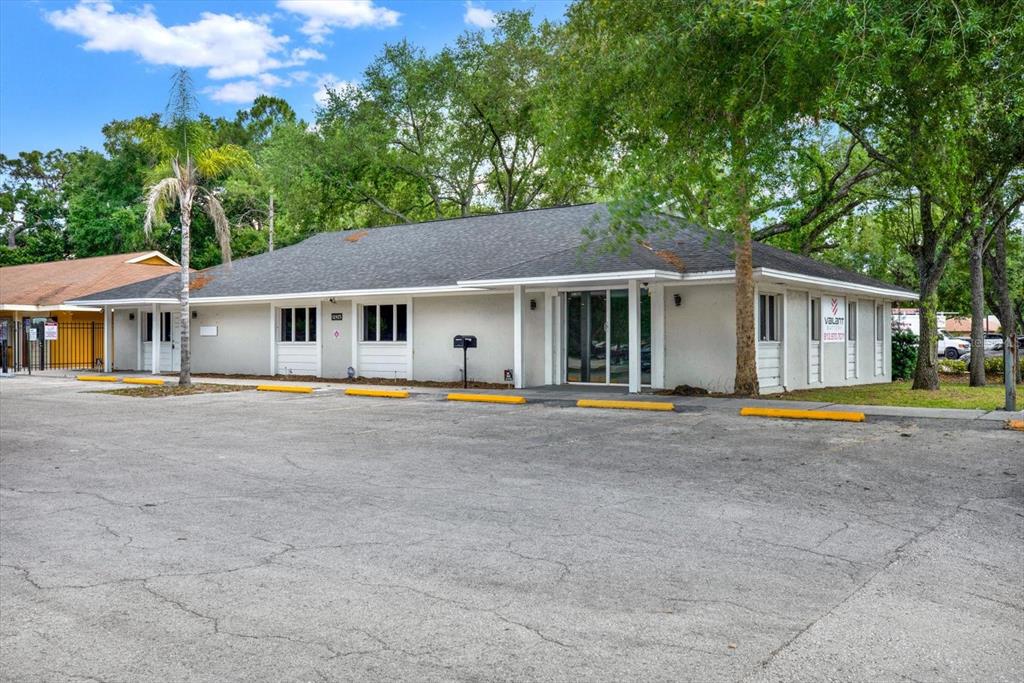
[(952, 347)]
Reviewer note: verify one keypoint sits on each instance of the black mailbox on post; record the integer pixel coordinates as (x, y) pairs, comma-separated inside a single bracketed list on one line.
[(465, 341)]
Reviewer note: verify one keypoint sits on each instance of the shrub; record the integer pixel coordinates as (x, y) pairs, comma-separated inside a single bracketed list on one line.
[(952, 367), (904, 354)]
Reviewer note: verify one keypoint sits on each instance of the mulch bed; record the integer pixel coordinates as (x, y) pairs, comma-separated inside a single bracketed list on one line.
[(364, 380), (175, 390)]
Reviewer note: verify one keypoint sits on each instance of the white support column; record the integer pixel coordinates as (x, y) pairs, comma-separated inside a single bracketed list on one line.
[(550, 354), (354, 315), (107, 338), (408, 337), (273, 341), (557, 307), (657, 336), (518, 324), (155, 345), (320, 338), (783, 318), (138, 340), (634, 336)]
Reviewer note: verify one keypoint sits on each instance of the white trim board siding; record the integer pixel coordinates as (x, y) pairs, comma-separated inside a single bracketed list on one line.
[(297, 358), (387, 360), (769, 366)]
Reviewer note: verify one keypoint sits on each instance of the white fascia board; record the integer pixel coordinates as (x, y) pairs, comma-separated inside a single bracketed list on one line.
[(569, 279), (121, 302), (295, 296), (826, 283), (57, 307), (151, 254)]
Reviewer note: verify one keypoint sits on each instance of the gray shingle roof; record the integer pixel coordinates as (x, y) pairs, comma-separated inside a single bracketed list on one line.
[(535, 243)]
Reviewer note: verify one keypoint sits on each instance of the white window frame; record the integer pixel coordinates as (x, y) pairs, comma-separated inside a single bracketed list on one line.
[(394, 322), (310, 312), (165, 327), (775, 324)]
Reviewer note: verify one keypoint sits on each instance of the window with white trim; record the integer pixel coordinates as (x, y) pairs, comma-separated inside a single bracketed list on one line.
[(298, 325), (879, 322), (385, 323), (815, 319), (767, 318), (165, 327), (851, 320)]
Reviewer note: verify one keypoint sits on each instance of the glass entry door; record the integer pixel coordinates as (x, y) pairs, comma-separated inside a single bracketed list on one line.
[(597, 336)]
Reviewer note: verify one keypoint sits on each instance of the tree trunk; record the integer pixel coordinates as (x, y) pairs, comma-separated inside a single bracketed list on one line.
[(926, 373), (1003, 305), (270, 224), (930, 267), (977, 248), (746, 344), (185, 374)]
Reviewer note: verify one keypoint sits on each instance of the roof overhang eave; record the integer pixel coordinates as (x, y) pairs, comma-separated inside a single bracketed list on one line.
[(789, 278), (289, 296), (67, 306), (98, 303), (560, 280)]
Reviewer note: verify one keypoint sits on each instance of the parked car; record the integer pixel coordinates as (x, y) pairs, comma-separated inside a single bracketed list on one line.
[(993, 340), (952, 347), (1020, 344)]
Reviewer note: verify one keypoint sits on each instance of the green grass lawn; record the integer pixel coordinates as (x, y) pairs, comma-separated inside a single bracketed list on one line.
[(954, 392)]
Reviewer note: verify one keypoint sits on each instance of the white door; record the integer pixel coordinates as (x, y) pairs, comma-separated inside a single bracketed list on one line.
[(814, 341), (168, 330), (851, 339), (769, 341)]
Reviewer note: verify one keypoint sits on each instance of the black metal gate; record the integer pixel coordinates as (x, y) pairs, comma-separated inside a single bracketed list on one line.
[(48, 344)]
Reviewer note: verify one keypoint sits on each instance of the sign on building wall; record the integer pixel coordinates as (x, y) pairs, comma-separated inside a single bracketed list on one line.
[(833, 319), (50, 330)]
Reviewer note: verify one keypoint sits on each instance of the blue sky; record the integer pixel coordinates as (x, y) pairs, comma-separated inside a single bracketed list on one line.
[(67, 68)]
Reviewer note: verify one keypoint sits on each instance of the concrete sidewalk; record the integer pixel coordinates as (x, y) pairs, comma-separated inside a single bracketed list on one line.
[(569, 394)]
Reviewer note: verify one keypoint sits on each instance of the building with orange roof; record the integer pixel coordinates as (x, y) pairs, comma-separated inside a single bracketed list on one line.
[(36, 293)]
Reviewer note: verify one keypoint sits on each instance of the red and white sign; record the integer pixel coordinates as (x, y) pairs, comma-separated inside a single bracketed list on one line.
[(833, 319), (50, 330)]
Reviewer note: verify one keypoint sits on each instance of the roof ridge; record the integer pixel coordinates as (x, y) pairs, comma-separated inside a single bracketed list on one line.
[(128, 255), (456, 218)]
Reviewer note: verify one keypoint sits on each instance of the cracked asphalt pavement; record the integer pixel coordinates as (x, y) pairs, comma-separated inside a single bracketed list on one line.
[(269, 537)]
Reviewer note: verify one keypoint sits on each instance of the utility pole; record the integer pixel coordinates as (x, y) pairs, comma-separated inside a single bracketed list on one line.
[(270, 224)]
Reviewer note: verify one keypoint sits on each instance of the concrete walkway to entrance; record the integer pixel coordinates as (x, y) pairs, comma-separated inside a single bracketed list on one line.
[(567, 394)]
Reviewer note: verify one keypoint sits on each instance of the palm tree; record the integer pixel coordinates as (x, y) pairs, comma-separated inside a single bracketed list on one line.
[(184, 186)]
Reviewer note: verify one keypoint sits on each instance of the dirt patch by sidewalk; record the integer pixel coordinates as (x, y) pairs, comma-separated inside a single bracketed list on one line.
[(175, 390), (377, 381)]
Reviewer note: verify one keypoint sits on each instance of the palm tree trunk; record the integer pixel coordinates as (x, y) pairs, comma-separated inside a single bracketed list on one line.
[(746, 345), (185, 373)]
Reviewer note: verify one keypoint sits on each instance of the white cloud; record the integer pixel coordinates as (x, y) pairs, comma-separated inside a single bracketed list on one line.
[(239, 92), (323, 16), (305, 54), (327, 83), (478, 16), (227, 46)]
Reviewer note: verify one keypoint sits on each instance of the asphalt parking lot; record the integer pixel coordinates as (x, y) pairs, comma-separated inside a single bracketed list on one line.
[(270, 537)]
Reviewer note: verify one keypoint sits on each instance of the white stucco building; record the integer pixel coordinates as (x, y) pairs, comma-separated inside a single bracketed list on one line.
[(547, 305)]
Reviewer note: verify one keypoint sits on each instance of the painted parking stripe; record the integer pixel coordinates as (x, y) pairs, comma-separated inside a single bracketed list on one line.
[(96, 378), (378, 393), (487, 398), (143, 380), (626, 405), (284, 388), (797, 414)]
